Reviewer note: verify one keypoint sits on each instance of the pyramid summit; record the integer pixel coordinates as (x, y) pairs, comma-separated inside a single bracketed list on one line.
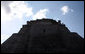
[(44, 36)]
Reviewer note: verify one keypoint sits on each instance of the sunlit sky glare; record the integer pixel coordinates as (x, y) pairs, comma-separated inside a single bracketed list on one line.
[(14, 14)]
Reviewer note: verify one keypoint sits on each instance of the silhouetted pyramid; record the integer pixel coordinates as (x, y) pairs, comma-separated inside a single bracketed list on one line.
[(44, 36)]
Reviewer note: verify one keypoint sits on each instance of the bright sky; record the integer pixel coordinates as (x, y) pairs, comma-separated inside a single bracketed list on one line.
[(14, 14)]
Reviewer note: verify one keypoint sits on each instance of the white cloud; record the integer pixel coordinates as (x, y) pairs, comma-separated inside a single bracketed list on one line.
[(4, 37), (19, 9), (66, 9), (16, 9), (40, 14)]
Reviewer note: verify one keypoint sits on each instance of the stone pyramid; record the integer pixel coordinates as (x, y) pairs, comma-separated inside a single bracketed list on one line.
[(44, 36)]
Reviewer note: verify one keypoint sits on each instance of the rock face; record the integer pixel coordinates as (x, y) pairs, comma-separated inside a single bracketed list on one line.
[(44, 36)]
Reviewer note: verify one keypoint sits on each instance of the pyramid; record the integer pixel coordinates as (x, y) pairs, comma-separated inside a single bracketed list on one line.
[(44, 36)]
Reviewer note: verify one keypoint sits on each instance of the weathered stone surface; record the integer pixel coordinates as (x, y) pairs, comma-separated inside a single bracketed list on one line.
[(44, 36)]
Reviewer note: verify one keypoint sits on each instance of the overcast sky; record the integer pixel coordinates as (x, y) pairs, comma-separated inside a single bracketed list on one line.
[(14, 14)]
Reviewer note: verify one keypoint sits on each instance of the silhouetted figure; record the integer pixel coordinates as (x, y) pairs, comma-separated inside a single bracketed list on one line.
[(63, 24), (59, 21)]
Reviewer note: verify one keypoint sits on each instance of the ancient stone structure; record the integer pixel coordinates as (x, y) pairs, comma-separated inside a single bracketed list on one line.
[(44, 36)]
